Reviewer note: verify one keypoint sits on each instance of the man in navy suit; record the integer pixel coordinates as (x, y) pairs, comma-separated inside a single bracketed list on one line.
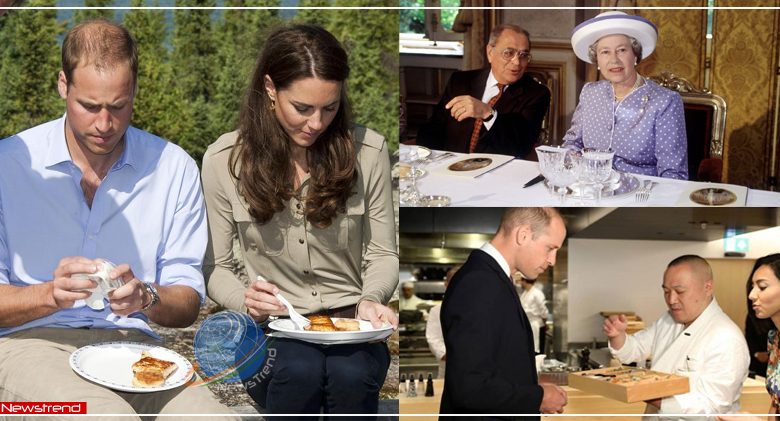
[(466, 120), (490, 349)]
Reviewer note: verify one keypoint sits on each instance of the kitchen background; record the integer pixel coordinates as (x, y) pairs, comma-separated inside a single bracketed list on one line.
[(612, 261)]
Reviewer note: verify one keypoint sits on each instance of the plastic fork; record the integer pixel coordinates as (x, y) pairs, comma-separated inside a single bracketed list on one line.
[(299, 321)]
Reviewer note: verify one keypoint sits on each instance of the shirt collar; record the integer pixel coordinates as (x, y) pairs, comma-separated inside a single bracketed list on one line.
[(58, 147), (704, 317), (491, 81), (498, 257)]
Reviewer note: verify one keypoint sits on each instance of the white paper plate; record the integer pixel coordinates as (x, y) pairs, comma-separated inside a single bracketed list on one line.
[(367, 333), (110, 364)]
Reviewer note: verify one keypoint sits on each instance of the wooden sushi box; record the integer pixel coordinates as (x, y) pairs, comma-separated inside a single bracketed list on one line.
[(629, 384)]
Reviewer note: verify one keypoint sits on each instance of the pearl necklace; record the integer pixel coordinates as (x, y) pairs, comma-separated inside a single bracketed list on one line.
[(638, 81)]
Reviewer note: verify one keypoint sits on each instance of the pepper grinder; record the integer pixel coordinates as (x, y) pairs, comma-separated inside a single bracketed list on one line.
[(411, 391), (402, 384), (429, 385)]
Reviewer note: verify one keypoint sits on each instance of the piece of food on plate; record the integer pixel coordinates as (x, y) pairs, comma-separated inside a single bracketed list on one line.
[(150, 371), (347, 325), (320, 323)]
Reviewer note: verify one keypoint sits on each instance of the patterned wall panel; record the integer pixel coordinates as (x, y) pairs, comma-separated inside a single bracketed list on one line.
[(680, 48), (744, 59)]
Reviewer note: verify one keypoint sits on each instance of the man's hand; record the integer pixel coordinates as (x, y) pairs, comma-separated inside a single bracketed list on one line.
[(64, 289), (260, 300), (130, 297), (464, 106), (377, 314), (615, 328), (553, 400)]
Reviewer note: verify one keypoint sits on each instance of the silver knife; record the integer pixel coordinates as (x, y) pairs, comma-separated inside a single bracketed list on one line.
[(533, 181)]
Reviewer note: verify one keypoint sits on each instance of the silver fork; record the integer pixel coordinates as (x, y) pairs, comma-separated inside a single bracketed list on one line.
[(643, 193)]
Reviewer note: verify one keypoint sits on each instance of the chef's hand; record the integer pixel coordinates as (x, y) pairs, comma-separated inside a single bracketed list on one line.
[(66, 290), (464, 106), (130, 297), (260, 300), (553, 399), (615, 325), (377, 314)]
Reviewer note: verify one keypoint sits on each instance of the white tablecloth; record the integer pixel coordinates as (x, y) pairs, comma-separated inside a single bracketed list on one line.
[(504, 187)]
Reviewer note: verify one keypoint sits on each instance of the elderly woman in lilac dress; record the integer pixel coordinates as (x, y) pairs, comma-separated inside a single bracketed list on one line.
[(641, 121)]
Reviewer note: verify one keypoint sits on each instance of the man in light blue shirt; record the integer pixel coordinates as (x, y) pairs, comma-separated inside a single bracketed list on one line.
[(88, 186)]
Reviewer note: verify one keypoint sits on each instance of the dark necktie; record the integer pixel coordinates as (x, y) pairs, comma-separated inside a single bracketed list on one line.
[(478, 122)]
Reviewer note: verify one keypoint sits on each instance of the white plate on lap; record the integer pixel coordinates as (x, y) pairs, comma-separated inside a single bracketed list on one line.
[(367, 333), (110, 364)]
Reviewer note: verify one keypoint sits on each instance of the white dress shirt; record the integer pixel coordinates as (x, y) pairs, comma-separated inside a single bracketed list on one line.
[(435, 337), (491, 90), (711, 352), (532, 300)]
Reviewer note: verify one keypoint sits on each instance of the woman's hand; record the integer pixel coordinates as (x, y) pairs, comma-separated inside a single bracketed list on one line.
[(260, 300), (377, 314)]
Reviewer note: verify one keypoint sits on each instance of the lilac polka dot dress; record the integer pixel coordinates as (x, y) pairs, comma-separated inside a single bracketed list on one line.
[(647, 128)]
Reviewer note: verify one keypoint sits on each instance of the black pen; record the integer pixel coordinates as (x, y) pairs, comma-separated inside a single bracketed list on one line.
[(533, 181)]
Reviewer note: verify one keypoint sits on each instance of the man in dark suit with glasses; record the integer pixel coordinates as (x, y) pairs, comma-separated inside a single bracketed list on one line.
[(493, 110)]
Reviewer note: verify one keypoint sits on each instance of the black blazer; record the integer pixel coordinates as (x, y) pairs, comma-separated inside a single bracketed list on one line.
[(490, 350), (521, 110)]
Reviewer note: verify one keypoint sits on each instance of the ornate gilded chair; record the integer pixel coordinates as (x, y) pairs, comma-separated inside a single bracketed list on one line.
[(705, 126)]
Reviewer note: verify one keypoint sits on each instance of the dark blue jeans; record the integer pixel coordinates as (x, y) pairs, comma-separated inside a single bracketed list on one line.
[(305, 378)]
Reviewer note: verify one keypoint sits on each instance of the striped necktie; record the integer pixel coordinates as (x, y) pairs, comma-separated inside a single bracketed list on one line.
[(478, 122)]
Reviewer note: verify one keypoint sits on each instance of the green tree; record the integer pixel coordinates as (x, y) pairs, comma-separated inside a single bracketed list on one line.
[(193, 63), (241, 34), (86, 14), (371, 39), (158, 104), (30, 58), (314, 16)]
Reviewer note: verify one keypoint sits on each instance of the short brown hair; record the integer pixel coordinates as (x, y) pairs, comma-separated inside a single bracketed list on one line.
[(537, 218), (99, 42)]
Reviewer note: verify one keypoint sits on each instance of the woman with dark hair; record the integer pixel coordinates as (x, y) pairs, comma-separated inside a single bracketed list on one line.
[(308, 196), (757, 329)]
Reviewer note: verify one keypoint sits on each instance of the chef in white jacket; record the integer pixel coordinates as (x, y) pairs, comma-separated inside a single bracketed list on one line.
[(532, 300), (695, 338)]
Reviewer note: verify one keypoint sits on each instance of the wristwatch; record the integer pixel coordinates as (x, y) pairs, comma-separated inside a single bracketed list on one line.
[(490, 117), (152, 291)]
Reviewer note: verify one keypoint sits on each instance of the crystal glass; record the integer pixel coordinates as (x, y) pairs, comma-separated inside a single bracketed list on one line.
[(560, 166), (411, 196), (596, 168)]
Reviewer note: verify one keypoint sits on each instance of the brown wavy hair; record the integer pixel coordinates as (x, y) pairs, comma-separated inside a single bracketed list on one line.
[(261, 161)]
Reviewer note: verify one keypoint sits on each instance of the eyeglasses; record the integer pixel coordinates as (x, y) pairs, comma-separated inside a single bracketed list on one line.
[(509, 54)]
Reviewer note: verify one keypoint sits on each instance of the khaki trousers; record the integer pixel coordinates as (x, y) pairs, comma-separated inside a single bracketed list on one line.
[(34, 367)]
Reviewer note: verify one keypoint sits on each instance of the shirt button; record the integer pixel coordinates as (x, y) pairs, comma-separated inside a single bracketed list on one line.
[(300, 240), (314, 293)]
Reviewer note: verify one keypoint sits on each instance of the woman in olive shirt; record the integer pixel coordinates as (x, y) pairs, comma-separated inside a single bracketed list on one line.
[(308, 196)]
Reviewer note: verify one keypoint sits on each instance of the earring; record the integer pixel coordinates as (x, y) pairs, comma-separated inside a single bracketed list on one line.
[(598, 67), (273, 104)]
